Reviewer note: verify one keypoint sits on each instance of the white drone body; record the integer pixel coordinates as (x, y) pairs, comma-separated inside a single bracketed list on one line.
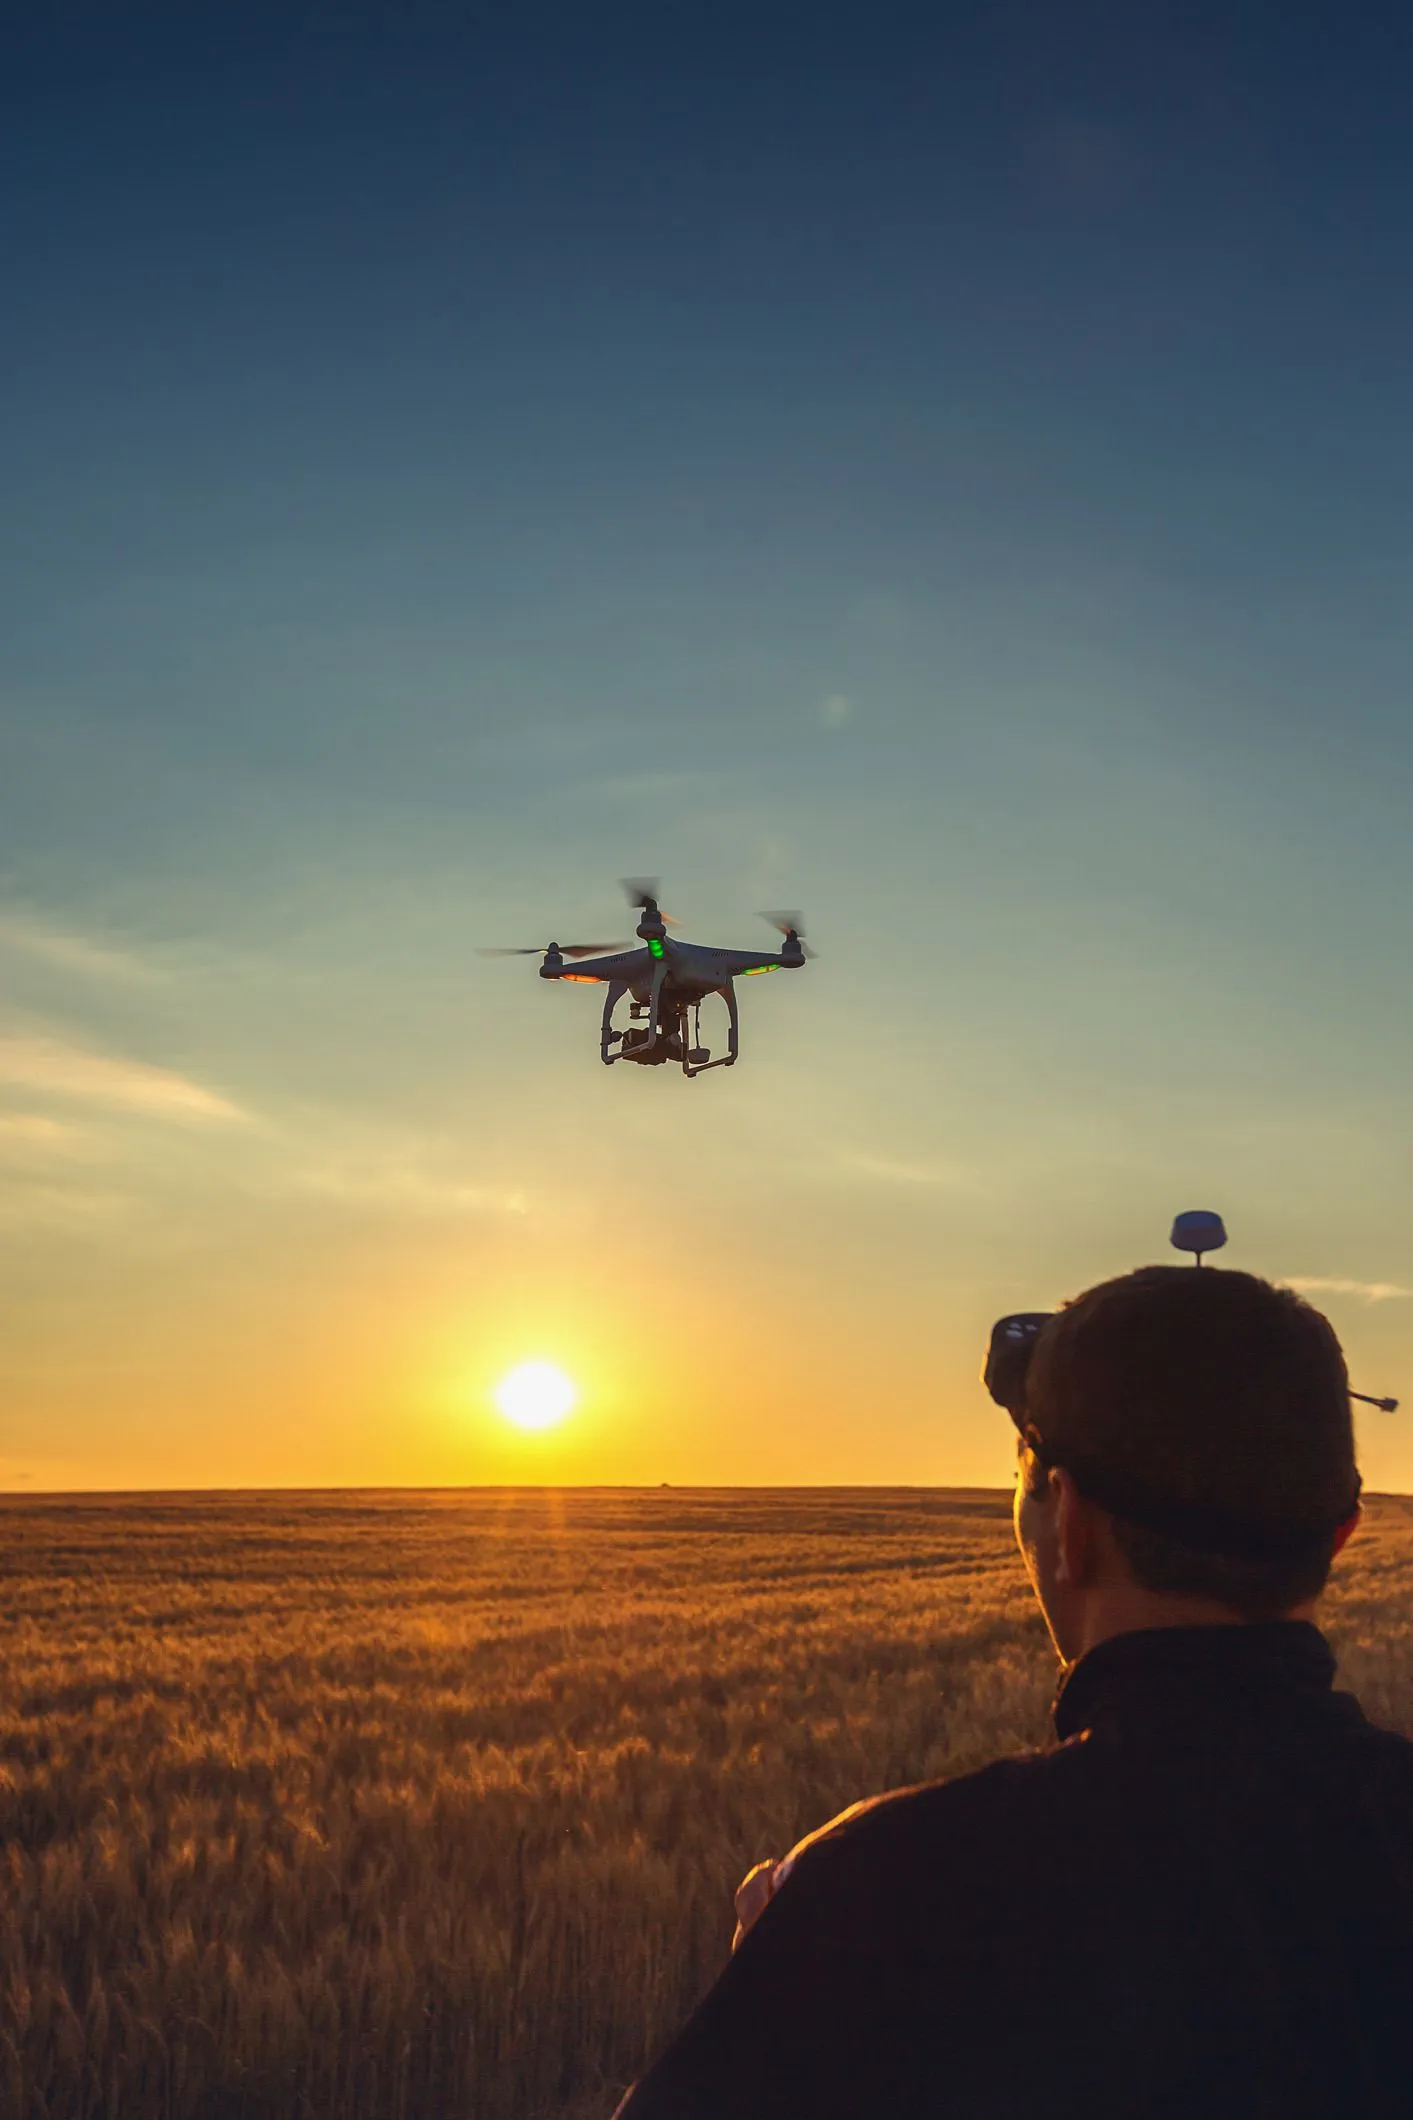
[(666, 982)]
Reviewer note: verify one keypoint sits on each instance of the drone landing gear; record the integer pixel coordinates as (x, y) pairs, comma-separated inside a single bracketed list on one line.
[(697, 1059), (654, 1034)]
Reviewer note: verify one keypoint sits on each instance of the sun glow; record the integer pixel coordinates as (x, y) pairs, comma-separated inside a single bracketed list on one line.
[(535, 1396)]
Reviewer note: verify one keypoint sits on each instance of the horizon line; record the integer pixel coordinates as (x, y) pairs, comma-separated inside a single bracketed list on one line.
[(60, 1494)]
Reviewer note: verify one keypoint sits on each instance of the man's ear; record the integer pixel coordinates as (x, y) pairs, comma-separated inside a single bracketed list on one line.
[(1075, 1552)]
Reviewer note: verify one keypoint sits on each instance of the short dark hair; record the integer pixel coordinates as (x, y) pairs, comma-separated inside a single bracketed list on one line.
[(1218, 1395)]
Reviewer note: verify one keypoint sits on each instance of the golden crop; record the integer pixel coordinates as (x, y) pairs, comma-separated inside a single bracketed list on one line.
[(367, 1806)]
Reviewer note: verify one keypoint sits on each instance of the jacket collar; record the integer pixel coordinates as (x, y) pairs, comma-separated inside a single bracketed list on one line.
[(1190, 1672)]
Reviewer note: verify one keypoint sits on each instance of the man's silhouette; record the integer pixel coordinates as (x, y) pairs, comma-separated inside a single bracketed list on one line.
[(1200, 1901)]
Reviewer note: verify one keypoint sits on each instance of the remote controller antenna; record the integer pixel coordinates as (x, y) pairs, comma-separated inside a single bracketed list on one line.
[(1198, 1231)]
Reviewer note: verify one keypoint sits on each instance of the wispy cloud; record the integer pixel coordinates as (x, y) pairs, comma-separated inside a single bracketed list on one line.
[(1335, 1285), (891, 1170), (58, 1069), (72, 1210), (404, 1188), (32, 1127), (68, 952)]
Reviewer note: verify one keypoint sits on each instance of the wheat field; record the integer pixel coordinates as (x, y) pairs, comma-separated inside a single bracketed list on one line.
[(373, 1806)]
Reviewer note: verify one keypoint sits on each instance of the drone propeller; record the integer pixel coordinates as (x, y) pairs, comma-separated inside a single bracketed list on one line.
[(566, 949), (642, 892), (790, 924)]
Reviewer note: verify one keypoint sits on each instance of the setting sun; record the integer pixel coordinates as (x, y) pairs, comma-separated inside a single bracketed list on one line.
[(536, 1395)]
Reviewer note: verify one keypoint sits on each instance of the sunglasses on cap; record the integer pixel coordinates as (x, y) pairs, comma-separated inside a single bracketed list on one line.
[(1012, 1346), (1008, 1359)]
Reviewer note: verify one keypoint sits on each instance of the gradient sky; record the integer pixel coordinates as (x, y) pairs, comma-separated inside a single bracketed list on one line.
[(948, 470)]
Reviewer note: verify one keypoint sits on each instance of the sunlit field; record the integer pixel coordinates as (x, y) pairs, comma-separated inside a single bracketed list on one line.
[(375, 1806)]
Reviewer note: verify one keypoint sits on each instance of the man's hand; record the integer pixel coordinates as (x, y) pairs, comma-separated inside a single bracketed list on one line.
[(754, 1894)]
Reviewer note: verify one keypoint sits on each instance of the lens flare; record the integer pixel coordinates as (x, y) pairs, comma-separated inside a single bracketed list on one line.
[(536, 1396)]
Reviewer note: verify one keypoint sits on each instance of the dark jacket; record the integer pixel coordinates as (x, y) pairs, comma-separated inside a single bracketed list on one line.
[(1199, 1904)]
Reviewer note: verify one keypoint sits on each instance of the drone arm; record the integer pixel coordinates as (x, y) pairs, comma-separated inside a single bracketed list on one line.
[(659, 975), (735, 963)]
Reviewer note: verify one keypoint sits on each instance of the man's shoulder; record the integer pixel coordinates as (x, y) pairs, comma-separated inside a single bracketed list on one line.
[(1016, 1803), (959, 1818), (946, 1805), (1384, 1751)]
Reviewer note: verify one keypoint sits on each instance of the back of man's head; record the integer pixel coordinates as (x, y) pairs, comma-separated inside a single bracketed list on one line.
[(1209, 1412)]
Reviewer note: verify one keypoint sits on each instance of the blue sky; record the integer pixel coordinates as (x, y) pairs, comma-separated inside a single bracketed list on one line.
[(946, 472)]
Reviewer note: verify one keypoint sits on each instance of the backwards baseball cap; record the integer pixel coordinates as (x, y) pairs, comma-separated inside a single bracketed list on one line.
[(1210, 1407)]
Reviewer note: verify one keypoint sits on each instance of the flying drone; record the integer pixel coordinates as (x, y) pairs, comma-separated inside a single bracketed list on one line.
[(666, 982)]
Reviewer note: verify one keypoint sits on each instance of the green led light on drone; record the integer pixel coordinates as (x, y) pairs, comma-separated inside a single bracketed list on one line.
[(656, 948)]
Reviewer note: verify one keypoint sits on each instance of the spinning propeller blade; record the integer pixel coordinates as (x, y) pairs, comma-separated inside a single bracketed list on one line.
[(790, 924), (642, 892), (566, 949)]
